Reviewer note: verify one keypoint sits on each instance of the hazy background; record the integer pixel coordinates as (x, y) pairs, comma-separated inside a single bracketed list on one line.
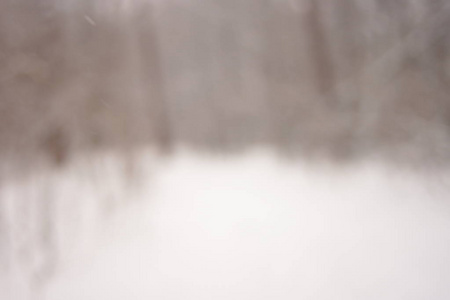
[(99, 98), (336, 78)]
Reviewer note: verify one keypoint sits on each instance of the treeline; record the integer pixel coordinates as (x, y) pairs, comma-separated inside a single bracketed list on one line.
[(341, 78), (78, 76), (337, 78)]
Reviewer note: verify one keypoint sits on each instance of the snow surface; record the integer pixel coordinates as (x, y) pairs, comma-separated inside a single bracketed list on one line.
[(257, 227)]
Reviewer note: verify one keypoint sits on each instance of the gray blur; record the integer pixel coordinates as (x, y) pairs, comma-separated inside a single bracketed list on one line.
[(336, 78)]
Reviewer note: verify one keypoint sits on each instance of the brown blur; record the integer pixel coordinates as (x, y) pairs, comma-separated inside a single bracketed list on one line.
[(336, 78)]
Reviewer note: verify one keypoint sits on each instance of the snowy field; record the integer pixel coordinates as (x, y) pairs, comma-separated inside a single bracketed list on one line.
[(258, 227)]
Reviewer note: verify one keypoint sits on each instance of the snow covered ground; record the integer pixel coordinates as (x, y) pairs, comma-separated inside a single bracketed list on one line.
[(257, 227)]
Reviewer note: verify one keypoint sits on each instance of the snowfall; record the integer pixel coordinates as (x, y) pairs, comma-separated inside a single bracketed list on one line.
[(257, 226)]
